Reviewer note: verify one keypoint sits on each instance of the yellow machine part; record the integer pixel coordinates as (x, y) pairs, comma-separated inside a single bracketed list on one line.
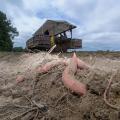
[(52, 40)]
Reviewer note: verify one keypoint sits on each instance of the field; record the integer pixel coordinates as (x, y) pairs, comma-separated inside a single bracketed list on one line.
[(27, 95)]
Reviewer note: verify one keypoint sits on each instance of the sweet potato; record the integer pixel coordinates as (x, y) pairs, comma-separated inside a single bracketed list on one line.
[(72, 66), (71, 83), (68, 77), (82, 65), (20, 78), (48, 66)]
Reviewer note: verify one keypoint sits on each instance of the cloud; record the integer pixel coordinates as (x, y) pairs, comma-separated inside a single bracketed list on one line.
[(35, 6), (26, 22), (97, 20), (93, 17)]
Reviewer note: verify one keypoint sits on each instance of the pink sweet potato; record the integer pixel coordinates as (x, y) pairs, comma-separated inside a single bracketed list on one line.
[(73, 64), (82, 65), (71, 83), (20, 78), (48, 66), (68, 77)]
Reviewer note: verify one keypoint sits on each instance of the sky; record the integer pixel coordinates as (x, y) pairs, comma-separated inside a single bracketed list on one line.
[(97, 21)]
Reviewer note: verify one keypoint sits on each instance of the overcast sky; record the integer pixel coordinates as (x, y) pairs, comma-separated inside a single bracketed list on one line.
[(97, 21)]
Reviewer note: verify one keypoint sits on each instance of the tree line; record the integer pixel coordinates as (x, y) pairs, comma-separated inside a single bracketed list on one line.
[(7, 33)]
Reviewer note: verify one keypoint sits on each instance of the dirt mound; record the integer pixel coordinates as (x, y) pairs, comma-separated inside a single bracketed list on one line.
[(46, 98)]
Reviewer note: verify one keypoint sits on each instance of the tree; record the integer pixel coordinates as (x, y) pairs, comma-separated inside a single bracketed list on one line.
[(7, 33), (18, 49)]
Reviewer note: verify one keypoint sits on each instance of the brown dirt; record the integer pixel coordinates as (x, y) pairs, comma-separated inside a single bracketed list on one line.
[(48, 92)]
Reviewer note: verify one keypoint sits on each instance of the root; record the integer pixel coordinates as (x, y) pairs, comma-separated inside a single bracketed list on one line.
[(36, 115), (34, 107), (60, 98), (68, 109), (19, 116), (107, 93)]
